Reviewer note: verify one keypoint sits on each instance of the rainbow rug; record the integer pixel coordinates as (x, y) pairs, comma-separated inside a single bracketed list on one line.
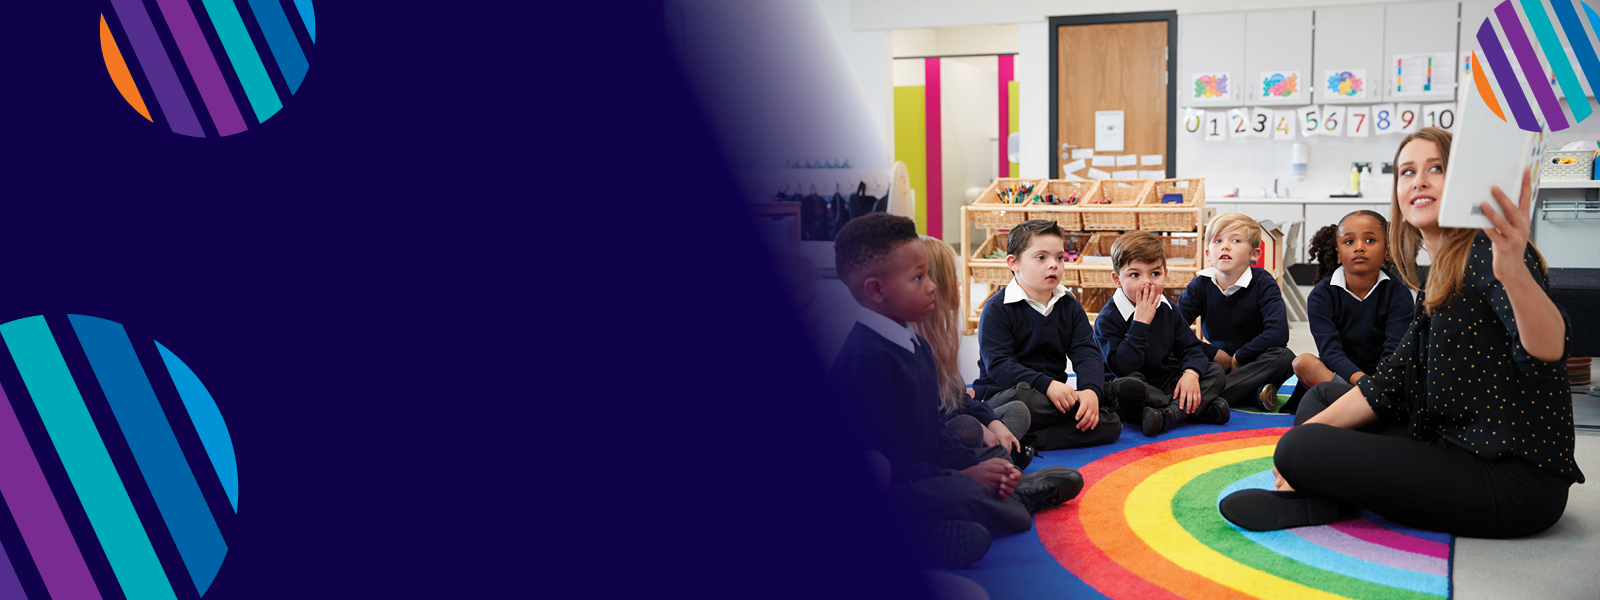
[(1146, 526)]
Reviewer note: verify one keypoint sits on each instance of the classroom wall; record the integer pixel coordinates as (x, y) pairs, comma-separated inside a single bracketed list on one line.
[(904, 14)]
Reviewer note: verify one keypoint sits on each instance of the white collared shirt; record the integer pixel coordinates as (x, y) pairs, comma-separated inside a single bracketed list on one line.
[(1216, 277), (901, 335), (1014, 292), (1338, 280), (1125, 304)]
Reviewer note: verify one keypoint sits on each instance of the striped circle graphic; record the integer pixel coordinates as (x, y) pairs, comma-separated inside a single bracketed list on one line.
[(243, 58), (1147, 526), (118, 382), (1547, 40)]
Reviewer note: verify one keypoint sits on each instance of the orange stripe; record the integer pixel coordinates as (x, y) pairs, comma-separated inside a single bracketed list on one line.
[(119, 71), (1483, 87), (1124, 547)]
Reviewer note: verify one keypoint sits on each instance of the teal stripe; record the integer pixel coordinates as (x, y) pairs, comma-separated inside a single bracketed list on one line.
[(1550, 43), (207, 422), (246, 62), (307, 16), (84, 456)]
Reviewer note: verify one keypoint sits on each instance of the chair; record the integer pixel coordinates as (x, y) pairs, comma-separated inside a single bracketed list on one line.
[(1293, 299)]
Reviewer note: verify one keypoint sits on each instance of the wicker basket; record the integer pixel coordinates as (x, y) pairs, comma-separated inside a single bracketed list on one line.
[(989, 270), (1112, 196), (1097, 274), (1066, 215), (1093, 299), (1185, 215), (1006, 219)]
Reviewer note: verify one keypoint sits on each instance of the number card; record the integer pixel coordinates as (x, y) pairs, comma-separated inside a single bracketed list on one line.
[(1383, 119), (1444, 115), (1309, 119), (1283, 124), (1358, 121), (1260, 123), (1215, 127), (1408, 117), (1333, 120), (1193, 119), (1237, 123)]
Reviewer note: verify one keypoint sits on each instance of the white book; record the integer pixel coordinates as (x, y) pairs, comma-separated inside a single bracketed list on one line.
[(1485, 152)]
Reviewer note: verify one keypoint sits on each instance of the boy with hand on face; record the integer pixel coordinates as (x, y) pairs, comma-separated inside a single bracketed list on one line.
[(953, 494), (1163, 377), (1026, 335), (1242, 314)]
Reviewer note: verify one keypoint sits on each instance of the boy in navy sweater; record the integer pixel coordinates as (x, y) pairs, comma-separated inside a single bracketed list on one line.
[(887, 372), (1164, 379), (1026, 335), (1242, 314)]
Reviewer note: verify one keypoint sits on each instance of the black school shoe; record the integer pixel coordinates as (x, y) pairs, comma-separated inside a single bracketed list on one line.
[(1214, 413), (1265, 510), (1024, 457), (1047, 487), (951, 544)]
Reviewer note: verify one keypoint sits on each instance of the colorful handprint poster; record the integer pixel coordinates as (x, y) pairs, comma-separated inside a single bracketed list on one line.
[(1279, 86), (1211, 88), (1345, 84)]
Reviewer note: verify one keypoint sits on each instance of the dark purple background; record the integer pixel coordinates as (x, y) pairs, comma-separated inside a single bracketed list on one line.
[(466, 344)]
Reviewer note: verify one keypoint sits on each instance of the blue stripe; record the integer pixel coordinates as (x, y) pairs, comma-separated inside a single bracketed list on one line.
[(207, 421), (307, 16), (1578, 35), (280, 38), (1551, 43), (1289, 545), (154, 446)]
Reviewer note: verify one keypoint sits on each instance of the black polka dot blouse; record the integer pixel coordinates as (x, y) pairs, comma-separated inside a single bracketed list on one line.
[(1461, 374)]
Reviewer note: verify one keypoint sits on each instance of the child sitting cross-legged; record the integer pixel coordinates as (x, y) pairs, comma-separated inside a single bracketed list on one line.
[(1026, 335), (954, 495), (1163, 377), (1242, 314)]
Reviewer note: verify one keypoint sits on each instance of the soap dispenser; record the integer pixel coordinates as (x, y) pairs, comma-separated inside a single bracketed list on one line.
[(1355, 178)]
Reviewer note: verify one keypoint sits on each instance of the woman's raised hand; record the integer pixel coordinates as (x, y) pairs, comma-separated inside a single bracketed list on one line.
[(1509, 231)]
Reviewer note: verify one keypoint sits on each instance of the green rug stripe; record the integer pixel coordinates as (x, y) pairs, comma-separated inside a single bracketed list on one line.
[(1195, 505)]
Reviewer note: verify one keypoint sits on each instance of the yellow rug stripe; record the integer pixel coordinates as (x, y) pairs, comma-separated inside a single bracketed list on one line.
[(1149, 513)]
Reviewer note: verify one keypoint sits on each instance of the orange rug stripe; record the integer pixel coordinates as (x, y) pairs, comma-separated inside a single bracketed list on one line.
[(119, 71)]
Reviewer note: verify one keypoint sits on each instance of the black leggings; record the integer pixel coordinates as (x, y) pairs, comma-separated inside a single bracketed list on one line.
[(1434, 485)]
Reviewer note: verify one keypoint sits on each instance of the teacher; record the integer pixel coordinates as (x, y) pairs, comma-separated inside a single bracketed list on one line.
[(1467, 427)]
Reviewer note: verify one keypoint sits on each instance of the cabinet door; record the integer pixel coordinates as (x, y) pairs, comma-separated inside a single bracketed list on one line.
[(1210, 43), (1277, 43), (1415, 28), (1349, 43)]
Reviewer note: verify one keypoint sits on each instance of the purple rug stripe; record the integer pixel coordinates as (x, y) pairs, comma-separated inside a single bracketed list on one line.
[(157, 67), (1531, 71), (37, 515), (1500, 66), (1365, 530), (202, 66), (1343, 543), (10, 586), (1432, 536)]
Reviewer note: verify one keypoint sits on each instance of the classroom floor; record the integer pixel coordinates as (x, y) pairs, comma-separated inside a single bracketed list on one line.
[(1558, 563)]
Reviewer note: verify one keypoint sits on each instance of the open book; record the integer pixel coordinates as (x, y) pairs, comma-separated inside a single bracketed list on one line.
[(1487, 151)]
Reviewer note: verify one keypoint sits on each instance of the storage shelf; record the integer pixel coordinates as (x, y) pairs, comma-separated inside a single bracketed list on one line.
[(1568, 185)]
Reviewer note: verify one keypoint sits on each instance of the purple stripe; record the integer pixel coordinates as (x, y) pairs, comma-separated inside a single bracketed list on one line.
[(1343, 543), (10, 586), (1501, 67), (38, 516), (1366, 530), (1531, 71), (157, 67), (202, 66)]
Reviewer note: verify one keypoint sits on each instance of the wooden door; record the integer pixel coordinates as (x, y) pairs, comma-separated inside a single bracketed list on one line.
[(1114, 66)]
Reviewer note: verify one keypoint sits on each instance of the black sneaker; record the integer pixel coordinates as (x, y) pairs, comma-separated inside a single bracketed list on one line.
[(1264, 510), (951, 544), (1048, 487), (1215, 413), (1155, 421), (1267, 398)]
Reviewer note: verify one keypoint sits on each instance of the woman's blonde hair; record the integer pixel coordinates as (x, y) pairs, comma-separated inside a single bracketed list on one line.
[(1405, 240), (942, 329)]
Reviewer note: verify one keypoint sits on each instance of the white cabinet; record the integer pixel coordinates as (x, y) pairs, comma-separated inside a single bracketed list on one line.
[(1349, 40), (1277, 42), (1211, 43), (1420, 27)]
